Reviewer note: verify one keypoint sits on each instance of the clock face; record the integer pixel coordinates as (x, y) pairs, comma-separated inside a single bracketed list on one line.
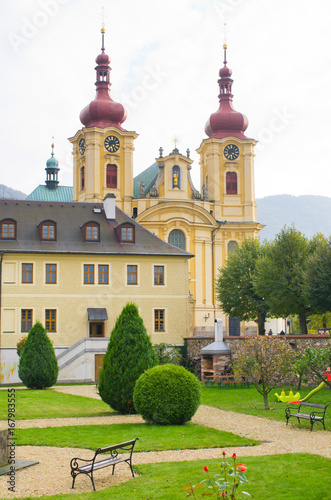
[(112, 144), (82, 146), (231, 152)]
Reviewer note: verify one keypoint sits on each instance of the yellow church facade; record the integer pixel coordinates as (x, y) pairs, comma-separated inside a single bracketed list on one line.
[(208, 222)]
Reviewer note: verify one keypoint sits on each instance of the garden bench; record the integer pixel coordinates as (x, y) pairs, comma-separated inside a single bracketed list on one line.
[(113, 455), (313, 416)]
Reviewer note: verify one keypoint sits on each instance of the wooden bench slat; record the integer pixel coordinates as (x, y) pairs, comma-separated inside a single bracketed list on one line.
[(313, 416)]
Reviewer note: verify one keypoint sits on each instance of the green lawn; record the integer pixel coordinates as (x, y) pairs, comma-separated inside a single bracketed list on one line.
[(278, 477), (51, 404), (151, 437), (250, 402)]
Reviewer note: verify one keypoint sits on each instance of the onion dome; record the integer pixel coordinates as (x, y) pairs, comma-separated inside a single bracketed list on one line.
[(52, 168), (226, 121), (103, 111)]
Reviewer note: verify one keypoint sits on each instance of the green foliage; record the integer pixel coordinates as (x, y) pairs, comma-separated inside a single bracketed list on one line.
[(314, 321), (166, 354), (167, 395), (263, 361), (280, 275), (20, 344), (128, 355), (235, 284), (315, 362), (318, 276), (38, 368)]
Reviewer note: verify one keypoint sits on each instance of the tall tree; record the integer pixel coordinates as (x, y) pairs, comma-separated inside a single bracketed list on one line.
[(280, 275), (263, 361), (234, 287), (129, 354), (318, 276)]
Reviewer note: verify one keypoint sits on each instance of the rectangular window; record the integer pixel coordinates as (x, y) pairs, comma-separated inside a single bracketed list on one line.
[(50, 273), (27, 273), (158, 275), (26, 320), (92, 233), (159, 315), (50, 320), (48, 232), (103, 273), (132, 274), (8, 230), (126, 234), (89, 274)]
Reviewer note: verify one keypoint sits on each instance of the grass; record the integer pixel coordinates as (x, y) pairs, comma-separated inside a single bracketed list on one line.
[(250, 402), (52, 404), (278, 477), (151, 437)]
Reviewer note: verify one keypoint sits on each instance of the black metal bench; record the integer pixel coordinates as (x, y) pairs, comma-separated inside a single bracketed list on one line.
[(313, 416), (113, 454)]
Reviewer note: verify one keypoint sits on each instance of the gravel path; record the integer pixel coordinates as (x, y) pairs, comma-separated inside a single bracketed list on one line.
[(276, 436)]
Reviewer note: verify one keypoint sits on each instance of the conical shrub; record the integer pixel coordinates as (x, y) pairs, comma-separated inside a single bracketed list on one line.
[(38, 367), (129, 354)]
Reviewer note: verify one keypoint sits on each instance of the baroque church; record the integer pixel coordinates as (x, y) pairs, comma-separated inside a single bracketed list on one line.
[(208, 222)]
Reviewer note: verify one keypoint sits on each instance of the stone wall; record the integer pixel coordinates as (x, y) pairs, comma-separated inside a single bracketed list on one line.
[(297, 342)]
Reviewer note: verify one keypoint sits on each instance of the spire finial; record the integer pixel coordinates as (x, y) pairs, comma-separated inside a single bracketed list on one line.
[(103, 29), (52, 146), (225, 46)]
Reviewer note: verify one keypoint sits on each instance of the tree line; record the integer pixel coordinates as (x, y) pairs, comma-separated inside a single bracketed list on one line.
[(290, 275)]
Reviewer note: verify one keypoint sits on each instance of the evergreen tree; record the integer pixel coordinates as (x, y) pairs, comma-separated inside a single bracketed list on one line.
[(129, 354), (38, 368)]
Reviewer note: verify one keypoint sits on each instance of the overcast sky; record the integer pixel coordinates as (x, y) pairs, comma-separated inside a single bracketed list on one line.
[(165, 58)]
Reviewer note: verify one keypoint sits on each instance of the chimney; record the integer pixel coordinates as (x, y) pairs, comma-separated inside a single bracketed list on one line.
[(109, 206), (218, 330)]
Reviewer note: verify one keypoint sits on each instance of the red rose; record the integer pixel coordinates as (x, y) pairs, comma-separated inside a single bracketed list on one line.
[(223, 453), (205, 468), (234, 456), (242, 467)]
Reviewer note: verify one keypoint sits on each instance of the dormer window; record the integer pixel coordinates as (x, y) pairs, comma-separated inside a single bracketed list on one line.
[(126, 233), (8, 229), (47, 231), (91, 231)]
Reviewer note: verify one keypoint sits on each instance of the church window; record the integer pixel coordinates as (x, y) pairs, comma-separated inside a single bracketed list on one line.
[(82, 178), (111, 176), (232, 247), (231, 183), (8, 229), (177, 239)]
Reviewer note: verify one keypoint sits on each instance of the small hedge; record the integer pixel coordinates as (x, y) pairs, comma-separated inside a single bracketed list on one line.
[(167, 395)]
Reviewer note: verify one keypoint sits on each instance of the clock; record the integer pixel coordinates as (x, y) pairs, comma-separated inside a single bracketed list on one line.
[(231, 152), (112, 144), (82, 146)]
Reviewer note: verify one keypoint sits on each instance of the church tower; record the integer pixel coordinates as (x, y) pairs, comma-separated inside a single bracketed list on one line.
[(227, 158), (102, 149)]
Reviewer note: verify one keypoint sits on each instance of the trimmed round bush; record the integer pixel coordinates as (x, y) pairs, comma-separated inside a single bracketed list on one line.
[(167, 395), (38, 368)]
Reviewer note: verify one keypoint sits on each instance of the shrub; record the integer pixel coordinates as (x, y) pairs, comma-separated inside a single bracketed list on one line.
[(20, 344), (38, 368), (167, 395), (129, 354)]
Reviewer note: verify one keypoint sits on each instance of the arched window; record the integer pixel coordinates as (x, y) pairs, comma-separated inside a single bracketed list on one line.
[(111, 176), (177, 239), (82, 178), (232, 247), (231, 183)]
